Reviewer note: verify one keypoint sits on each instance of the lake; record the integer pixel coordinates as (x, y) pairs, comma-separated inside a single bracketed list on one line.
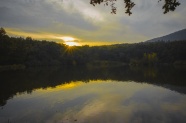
[(89, 95)]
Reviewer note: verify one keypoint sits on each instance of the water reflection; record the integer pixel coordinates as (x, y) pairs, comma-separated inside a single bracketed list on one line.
[(97, 101), (13, 82), (133, 94)]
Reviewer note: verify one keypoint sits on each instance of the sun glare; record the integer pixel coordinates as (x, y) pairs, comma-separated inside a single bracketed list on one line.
[(68, 38), (72, 43)]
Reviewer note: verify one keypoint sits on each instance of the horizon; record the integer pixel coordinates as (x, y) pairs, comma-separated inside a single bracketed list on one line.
[(79, 23), (69, 41)]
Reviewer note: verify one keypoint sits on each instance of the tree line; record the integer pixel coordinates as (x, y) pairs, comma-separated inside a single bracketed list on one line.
[(31, 52)]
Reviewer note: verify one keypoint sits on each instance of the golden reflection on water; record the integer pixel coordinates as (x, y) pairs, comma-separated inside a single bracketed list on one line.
[(70, 85), (64, 86)]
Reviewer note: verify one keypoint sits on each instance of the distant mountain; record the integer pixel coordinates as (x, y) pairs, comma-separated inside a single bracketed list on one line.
[(176, 36)]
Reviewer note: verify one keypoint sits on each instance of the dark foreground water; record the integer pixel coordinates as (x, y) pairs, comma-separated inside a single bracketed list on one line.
[(93, 95)]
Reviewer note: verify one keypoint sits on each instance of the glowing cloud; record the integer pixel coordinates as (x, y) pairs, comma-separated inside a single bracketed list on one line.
[(67, 38), (72, 43)]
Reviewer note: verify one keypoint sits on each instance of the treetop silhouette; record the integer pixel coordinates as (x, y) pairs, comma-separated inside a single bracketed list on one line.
[(169, 5), (2, 32)]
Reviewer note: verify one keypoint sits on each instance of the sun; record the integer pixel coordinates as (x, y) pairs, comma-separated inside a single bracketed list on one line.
[(70, 41)]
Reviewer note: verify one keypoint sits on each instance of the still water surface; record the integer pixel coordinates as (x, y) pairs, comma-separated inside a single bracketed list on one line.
[(93, 101)]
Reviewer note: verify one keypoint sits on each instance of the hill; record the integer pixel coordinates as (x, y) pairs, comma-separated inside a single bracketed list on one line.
[(176, 36)]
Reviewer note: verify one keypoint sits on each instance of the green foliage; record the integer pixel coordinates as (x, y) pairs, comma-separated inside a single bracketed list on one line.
[(150, 58)]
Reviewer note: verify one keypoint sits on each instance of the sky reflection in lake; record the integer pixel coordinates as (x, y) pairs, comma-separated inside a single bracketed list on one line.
[(97, 101)]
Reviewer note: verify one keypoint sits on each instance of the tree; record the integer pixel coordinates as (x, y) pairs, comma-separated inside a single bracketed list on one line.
[(2, 32), (29, 38), (169, 5)]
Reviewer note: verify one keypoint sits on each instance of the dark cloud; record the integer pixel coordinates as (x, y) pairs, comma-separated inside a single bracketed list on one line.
[(38, 14)]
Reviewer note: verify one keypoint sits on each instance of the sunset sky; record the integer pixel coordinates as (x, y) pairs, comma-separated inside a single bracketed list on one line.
[(78, 21)]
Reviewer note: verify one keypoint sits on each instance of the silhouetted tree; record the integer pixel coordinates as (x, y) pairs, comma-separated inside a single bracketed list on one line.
[(169, 5), (29, 38), (2, 32)]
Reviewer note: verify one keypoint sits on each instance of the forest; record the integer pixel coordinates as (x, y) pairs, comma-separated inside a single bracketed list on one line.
[(26, 52)]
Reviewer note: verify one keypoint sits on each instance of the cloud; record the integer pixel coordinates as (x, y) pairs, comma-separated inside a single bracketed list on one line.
[(82, 7), (79, 19)]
